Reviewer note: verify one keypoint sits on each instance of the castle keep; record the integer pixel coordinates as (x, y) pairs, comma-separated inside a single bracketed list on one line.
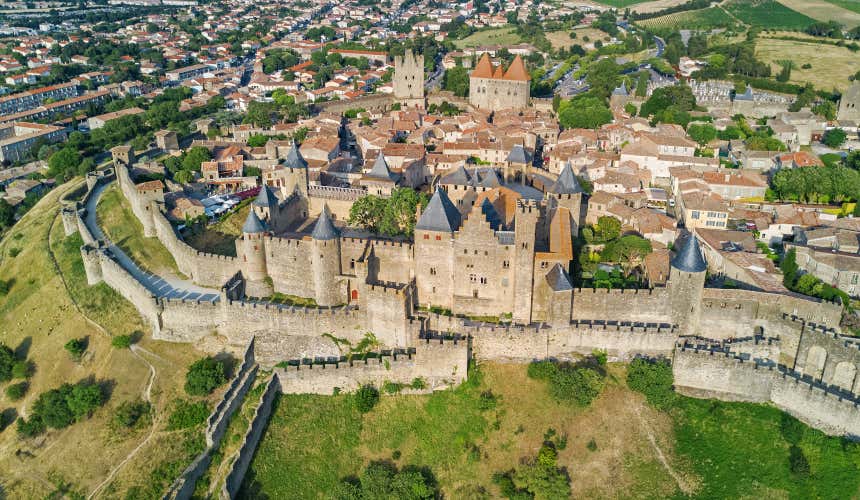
[(495, 89), (409, 79)]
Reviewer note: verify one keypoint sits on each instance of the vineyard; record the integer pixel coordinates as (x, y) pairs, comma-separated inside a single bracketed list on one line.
[(768, 14), (703, 19)]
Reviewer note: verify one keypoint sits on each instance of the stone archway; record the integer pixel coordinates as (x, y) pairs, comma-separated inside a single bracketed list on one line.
[(815, 359), (844, 375)]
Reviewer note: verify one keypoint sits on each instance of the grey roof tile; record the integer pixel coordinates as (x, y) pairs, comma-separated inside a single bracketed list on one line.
[(558, 279), (294, 158), (253, 224), (566, 182), (689, 259), (440, 214), (266, 198), (518, 154), (324, 228)]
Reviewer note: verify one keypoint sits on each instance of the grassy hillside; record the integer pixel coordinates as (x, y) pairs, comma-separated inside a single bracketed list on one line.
[(712, 449), (767, 14), (44, 309)]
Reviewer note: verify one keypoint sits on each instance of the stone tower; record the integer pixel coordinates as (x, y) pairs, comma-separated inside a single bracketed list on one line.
[(325, 261), (251, 248), (525, 229), (567, 193), (409, 79), (686, 284), (296, 176), (849, 104), (494, 89), (434, 247)]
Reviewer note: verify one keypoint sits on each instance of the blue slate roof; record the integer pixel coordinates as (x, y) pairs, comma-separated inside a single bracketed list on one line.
[(294, 158), (558, 279), (689, 259), (324, 228), (380, 169), (621, 90), (518, 155), (266, 198), (253, 224), (566, 182), (491, 214), (440, 215)]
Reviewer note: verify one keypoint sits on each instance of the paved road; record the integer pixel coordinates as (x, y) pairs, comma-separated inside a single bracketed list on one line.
[(160, 286)]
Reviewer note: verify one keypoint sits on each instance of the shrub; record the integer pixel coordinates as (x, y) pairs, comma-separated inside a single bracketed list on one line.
[(576, 384), (22, 369), (76, 348), (592, 445), (17, 391), (60, 407), (366, 398), (4, 287), (30, 427), (541, 370), (383, 480), (654, 380), (797, 461), (390, 387), (129, 413), (187, 414), (121, 341), (487, 401), (204, 375), (14, 252), (418, 383)]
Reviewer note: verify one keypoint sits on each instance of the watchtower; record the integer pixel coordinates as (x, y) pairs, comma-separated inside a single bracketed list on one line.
[(409, 79), (686, 284)]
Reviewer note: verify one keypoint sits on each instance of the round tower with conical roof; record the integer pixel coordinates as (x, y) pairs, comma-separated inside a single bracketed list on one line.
[(251, 248), (325, 261), (686, 285)]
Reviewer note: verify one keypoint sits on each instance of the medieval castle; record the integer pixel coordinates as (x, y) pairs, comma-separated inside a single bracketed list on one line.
[(486, 274)]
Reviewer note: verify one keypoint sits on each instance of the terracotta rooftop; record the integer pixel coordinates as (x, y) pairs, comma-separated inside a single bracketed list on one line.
[(517, 71), (484, 68)]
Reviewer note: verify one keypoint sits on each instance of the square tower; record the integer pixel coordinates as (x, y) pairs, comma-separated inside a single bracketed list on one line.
[(409, 79)]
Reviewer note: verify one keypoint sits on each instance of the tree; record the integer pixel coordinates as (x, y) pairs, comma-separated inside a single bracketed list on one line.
[(17, 391), (826, 109), (381, 480), (194, 157), (366, 398), (257, 140), (679, 97), (83, 399), (584, 112), (204, 375), (702, 133), (129, 413), (7, 361), (603, 77), (834, 137), (122, 341), (607, 228), (7, 214), (63, 161), (456, 80), (183, 176), (76, 348), (789, 268), (367, 212)]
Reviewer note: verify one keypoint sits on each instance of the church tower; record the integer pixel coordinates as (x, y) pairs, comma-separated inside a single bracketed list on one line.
[(686, 284), (409, 79)]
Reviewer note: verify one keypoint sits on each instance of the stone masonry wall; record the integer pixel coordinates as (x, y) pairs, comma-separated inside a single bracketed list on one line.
[(249, 443), (722, 376), (628, 305)]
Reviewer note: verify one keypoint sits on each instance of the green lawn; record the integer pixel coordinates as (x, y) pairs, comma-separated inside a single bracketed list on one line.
[(768, 14), (852, 5), (125, 231), (738, 450), (493, 36), (724, 450)]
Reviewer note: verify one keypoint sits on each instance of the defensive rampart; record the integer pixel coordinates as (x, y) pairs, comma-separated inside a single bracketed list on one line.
[(721, 375), (183, 487)]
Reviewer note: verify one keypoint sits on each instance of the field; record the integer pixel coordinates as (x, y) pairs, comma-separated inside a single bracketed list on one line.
[(125, 231), (846, 12), (711, 449), (494, 36), (562, 38), (705, 19), (49, 304), (768, 14), (831, 65)]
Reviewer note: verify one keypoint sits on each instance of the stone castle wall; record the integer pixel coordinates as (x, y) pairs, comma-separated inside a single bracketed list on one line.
[(645, 305), (722, 376), (203, 268)]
